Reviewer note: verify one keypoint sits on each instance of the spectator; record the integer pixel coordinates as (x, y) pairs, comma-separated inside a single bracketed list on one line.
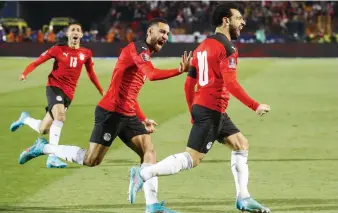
[(11, 36), (86, 37), (2, 34), (51, 37), (60, 35), (20, 37), (260, 35), (40, 37)]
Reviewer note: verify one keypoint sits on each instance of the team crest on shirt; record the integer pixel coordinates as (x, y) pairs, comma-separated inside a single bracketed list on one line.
[(145, 57), (232, 63), (82, 56)]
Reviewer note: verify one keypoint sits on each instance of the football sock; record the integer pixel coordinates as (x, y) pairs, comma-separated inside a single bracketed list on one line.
[(240, 170), (55, 132), (150, 187), (169, 166), (33, 123), (72, 154)]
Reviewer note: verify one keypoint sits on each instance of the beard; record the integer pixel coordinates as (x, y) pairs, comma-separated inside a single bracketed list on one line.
[(233, 33), (153, 43)]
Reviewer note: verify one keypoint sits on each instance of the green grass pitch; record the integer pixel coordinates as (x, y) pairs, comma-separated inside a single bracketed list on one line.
[(293, 156)]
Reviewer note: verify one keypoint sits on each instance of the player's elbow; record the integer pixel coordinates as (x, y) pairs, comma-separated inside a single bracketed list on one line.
[(231, 85), (151, 77)]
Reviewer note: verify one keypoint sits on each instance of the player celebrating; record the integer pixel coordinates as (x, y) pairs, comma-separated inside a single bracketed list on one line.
[(61, 85), (119, 114), (214, 68)]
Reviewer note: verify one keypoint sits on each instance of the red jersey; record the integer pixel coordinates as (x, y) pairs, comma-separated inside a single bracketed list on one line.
[(132, 69), (214, 70), (67, 68)]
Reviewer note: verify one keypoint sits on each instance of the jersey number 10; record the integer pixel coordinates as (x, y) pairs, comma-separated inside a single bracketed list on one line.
[(203, 71), (73, 62)]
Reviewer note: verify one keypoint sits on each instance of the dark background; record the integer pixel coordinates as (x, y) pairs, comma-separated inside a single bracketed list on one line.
[(39, 13)]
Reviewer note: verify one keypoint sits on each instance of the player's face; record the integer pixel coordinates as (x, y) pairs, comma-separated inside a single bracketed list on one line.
[(158, 34), (236, 24), (74, 34)]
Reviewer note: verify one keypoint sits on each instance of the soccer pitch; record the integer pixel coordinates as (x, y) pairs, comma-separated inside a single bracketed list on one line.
[(293, 156)]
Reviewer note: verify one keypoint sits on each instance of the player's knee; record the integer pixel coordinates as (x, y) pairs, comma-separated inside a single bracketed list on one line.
[(241, 143), (92, 161), (60, 116), (195, 156), (197, 160)]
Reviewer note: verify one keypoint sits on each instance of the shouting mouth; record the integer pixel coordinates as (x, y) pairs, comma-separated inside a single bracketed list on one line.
[(161, 43)]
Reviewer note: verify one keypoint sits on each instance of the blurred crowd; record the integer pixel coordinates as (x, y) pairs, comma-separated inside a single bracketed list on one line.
[(267, 22), (29, 35)]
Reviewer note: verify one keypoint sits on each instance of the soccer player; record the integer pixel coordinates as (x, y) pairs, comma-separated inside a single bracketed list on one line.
[(68, 61), (119, 114), (214, 70)]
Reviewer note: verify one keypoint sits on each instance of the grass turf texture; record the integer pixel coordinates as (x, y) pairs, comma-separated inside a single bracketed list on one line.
[(293, 150)]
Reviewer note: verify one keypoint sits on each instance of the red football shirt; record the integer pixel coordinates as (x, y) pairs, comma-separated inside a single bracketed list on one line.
[(214, 70), (132, 69), (67, 68)]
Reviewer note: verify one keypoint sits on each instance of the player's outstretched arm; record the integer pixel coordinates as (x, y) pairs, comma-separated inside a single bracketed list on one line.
[(143, 62), (232, 85), (92, 76), (32, 66)]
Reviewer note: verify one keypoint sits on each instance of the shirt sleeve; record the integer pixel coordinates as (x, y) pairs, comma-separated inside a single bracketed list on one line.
[(143, 62), (139, 112), (45, 56), (189, 86), (91, 73), (228, 68)]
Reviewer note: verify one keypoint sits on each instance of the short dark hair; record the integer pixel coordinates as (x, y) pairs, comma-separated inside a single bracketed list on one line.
[(156, 21), (73, 21), (223, 10)]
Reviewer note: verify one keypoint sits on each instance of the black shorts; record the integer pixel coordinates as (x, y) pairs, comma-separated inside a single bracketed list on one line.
[(209, 125), (109, 125), (56, 96)]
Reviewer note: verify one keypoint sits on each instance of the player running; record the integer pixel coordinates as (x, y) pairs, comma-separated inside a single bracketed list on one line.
[(119, 114), (61, 86), (214, 69)]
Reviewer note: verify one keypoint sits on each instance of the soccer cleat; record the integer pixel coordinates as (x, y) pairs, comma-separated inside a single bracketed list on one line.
[(19, 123), (250, 205), (158, 208), (55, 162), (33, 151), (135, 183)]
